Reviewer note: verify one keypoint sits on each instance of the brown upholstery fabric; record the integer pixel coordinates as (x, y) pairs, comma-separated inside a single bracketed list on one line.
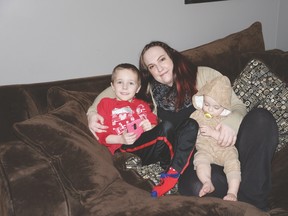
[(16, 105), (32, 184), (278, 197), (20, 102), (138, 202), (57, 97), (223, 54), (62, 136)]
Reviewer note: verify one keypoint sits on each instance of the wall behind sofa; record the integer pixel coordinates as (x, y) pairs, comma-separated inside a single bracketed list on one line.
[(63, 39)]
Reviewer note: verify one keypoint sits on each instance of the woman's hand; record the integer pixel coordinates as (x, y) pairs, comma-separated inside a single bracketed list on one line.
[(227, 135), (95, 124)]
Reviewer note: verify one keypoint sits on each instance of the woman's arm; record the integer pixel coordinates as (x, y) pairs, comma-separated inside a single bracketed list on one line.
[(108, 92), (96, 121)]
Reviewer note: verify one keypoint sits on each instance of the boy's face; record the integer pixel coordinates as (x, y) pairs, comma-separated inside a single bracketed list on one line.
[(125, 84), (211, 106)]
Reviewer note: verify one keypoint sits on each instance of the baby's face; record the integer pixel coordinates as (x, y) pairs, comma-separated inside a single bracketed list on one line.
[(211, 106)]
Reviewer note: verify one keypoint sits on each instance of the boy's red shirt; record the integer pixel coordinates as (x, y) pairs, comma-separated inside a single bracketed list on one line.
[(117, 114)]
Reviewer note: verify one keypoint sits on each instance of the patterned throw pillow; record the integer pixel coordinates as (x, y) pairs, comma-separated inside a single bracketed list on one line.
[(257, 86)]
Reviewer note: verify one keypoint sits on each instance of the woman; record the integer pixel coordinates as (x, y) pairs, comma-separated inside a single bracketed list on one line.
[(172, 80)]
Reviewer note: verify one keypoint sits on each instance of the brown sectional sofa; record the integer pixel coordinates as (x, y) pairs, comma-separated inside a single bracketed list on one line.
[(50, 163)]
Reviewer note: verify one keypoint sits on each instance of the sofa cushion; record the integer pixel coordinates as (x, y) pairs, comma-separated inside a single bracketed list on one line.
[(16, 105), (223, 54), (276, 60), (258, 86), (83, 165), (57, 96), (31, 183), (278, 197), (124, 199)]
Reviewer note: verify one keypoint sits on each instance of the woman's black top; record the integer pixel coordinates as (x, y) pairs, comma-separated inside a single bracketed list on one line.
[(165, 99)]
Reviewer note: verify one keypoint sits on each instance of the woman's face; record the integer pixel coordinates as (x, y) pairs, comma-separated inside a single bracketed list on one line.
[(159, 64)]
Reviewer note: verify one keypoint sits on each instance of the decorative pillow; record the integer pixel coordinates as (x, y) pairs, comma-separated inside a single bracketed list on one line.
[(83, 165), (257, 86), (57, 97), (223, 54)]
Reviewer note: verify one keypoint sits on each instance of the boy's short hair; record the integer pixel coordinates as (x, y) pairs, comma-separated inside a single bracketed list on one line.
[(126, 66)]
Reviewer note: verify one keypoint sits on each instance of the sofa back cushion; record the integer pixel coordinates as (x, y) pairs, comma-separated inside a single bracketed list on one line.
[(84, 166), (39, 91), (21, 102), (276, 59), (16, 105), (223, 54), (57, 97)]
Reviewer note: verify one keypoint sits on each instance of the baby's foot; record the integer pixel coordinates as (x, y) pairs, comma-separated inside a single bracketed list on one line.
[(230, 197), (206, 188)]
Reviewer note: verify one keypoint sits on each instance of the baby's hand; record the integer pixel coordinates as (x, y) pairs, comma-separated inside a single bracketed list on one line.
[(206, 130), (146, 125), (209, 131)]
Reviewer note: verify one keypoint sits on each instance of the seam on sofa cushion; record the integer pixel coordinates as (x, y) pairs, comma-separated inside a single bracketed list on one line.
[(6, 207), (23, 171), (86, 165)]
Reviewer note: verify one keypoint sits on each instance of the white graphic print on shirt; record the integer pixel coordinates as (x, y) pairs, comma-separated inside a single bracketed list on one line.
[(122, 116)]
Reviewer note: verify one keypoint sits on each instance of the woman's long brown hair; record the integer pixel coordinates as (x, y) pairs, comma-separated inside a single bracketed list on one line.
[(184, 73)]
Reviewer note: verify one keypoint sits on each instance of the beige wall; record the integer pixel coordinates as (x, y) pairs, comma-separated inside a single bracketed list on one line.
[(63, 39)]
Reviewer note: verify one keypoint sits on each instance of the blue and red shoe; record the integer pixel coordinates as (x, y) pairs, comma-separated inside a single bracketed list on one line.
[(167, 182)]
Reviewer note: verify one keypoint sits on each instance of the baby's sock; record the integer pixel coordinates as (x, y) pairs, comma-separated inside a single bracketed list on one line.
[(167, 182)]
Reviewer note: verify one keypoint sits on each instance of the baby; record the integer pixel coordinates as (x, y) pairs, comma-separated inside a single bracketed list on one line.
[(212, 103)]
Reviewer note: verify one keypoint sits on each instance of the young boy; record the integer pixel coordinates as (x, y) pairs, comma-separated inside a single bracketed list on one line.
[(132, 125), (212, 103)]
